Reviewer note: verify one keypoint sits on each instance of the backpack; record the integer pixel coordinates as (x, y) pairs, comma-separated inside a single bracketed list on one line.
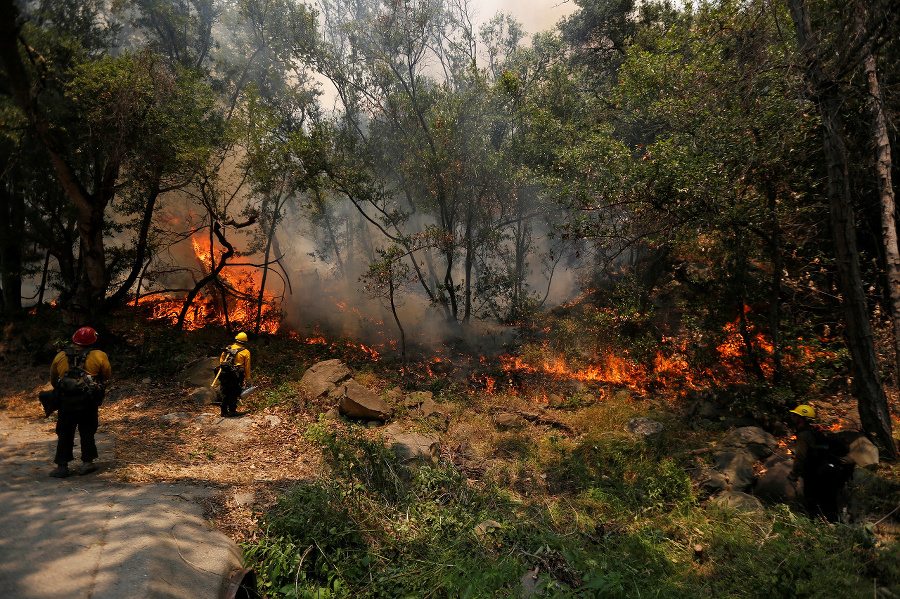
[(830, 454), (76, 389), (228, 370)]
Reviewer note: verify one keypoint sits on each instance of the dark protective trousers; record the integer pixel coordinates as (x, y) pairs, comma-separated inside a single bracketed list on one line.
[(86, 422), (231, 390)]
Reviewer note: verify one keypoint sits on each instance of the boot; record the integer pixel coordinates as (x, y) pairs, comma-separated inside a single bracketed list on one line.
[(61, 471), (87, 468)]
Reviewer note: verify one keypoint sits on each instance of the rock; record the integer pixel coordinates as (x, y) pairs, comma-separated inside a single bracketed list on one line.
[(709, 411), (486, 527), (863, 451), (414, 449), (356, 401), (710, 481), (507, 421), (200, 374), (175, 417), (393, 429), (736, 500), (751, 439), (737, 466), (322, 378), (773, 484), (555, 401), (431, 411), (622, 396), (244, 499), (271, 421), (644, 428), (394, 394), (205, 396)]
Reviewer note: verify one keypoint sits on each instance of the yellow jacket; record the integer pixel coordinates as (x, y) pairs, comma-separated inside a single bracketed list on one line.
[(96, 365), (241, 359)]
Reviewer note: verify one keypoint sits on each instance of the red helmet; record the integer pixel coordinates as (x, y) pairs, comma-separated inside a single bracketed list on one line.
[(85, 336)]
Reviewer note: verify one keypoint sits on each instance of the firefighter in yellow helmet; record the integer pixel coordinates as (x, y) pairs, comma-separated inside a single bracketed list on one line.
[(824, 475), (234, 373)]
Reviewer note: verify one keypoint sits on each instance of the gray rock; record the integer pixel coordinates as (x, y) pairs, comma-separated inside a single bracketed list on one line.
[(863, 451), (555, 401), (205, 396), (322, 378), (736, 500), (507, 421), (414, 449), (773, 484), (200, 374), (752, 439), (644, 428), (431, 411), (244, 499), (176, 417), (737, 466), (356, 401), (710, 481), (709, 411), (271, 421)]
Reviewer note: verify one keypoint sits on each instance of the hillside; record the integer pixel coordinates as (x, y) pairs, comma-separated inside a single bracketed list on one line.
[(536, 473)]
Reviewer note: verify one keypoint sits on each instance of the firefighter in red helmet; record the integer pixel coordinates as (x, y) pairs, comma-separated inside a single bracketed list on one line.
[(79, 375)]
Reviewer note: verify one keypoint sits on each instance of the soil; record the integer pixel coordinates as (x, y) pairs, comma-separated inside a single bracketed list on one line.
[(158, 436)]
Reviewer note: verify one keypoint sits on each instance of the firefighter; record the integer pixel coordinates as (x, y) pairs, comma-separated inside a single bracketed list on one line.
[(823, 469), (234, 373), (79, 376)]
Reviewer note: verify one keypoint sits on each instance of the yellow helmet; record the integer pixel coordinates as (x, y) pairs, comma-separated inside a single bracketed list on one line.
[(804, 410), (241, 337)]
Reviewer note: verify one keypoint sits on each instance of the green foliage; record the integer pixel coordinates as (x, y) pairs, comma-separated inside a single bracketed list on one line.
[(623, 475)]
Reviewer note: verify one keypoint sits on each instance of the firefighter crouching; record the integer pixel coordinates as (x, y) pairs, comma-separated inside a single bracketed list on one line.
[(233, 374), (79, 376)]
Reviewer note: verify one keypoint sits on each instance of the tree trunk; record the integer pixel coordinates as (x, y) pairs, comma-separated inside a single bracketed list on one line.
[(867, 387), (883, 166), (12, 223), (91, 206)]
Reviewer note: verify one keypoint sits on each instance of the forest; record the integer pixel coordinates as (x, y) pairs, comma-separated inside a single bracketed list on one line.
[(670, 200)]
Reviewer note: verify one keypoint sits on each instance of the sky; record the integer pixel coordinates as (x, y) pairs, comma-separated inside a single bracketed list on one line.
[(534, 15)]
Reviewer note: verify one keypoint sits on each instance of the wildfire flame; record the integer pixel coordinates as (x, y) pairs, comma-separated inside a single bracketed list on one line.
[(210, 306)]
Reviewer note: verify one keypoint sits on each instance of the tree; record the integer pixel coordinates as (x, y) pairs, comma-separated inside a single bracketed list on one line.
[(824, 92)]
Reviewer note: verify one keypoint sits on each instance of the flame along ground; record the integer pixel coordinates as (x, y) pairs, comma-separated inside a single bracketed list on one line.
[(671, 368)]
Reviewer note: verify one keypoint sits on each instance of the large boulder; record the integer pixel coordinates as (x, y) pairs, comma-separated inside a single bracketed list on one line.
[(863, 451), (414, 449), (357, 401), (751, 439), (200, 374), (737, 466), (710, 481), (322, 378), (773, 484), (205, 396)]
